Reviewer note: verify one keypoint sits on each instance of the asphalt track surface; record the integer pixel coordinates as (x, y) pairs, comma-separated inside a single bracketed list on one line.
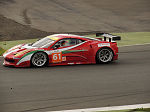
[(123, 82)]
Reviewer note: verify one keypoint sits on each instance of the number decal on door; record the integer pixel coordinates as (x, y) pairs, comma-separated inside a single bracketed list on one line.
[(56, 57)]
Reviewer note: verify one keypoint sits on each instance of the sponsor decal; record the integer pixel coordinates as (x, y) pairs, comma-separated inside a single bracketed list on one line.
[(70, 63), (64, 58), (55, 51), (103, 44)]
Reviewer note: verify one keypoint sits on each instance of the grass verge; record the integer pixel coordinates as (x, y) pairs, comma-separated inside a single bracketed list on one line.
[(133, 110), (1, 51), (8, 44), (130, 38)]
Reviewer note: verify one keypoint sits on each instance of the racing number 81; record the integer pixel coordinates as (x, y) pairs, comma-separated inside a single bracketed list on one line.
[(56, 57)]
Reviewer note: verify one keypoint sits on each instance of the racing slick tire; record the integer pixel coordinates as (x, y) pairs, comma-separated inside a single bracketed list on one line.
[(104, 55), (39, 59)]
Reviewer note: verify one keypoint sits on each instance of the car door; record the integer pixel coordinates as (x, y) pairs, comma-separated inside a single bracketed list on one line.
[(71, 50), (81, 51)]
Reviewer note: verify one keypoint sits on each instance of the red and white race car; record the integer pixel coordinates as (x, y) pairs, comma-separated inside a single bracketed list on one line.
[(62, 49)]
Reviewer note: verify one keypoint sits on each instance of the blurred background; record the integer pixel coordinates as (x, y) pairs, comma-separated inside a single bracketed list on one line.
[(26, 19)]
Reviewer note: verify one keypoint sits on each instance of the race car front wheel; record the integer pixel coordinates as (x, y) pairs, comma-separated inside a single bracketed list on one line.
[(39, 59), (104, 55)]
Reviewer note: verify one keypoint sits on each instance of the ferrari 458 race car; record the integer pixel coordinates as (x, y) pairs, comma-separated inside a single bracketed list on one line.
[(62, 49)]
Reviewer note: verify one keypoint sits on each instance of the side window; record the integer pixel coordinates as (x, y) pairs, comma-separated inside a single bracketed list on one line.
[(79, 41), (64, 42), (74, 41), (67, 42), (61, 43)]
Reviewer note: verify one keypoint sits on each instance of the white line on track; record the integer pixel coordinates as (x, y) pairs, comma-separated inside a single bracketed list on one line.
[(124, 107)]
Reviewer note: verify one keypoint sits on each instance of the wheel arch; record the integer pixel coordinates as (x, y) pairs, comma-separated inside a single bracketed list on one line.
[(38, 52), (105, 47)]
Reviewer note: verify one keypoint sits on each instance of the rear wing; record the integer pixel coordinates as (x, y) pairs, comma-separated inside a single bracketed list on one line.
[(108, 36)]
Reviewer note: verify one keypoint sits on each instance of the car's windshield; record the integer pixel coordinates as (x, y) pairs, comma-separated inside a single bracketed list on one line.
[(43, 43)]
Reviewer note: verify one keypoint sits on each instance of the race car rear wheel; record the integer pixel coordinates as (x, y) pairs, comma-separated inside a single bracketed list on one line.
[(104, 55), (39, 59)]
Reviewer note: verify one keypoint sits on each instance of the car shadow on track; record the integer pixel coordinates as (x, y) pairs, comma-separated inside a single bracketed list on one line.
[(68, 66)]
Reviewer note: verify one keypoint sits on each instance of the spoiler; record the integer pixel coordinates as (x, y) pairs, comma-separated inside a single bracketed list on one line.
[(109, 36)]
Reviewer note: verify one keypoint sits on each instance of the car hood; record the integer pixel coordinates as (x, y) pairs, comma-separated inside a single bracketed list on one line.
[(19, 50)]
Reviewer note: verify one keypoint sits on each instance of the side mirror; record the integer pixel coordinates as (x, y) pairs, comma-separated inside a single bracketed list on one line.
[(56, 46)]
